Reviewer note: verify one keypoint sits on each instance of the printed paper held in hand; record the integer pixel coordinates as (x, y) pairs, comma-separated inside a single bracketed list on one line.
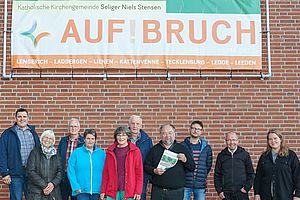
[(168, 160)]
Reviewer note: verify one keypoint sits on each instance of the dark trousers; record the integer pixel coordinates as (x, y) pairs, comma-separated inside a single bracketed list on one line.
[(66, 190), (144, 192), (236, 196), (159, 193)]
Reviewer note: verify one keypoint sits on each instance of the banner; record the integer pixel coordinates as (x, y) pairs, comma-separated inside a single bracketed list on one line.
[(171, 34)]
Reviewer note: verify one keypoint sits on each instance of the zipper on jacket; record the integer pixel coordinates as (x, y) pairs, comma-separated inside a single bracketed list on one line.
[(91, 168), (232, 168)]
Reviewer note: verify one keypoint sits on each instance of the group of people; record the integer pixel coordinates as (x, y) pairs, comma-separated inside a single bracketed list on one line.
[(78, 169)]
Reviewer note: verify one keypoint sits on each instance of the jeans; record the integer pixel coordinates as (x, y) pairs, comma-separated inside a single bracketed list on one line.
[(86, 196), (17, 187), (199, 194), (120, 196), (144, 192), (65, 188), (158, 193)]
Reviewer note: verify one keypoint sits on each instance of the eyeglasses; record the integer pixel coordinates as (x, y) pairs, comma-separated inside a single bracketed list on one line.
[(122, 135), (168, 133), (231, 140), (196, 129), (47, 138)]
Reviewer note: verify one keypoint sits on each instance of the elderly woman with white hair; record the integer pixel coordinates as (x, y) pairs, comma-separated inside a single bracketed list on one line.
[(44, 170)]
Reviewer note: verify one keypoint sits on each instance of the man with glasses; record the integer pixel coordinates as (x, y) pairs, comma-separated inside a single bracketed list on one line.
[(16, 144), (195, 182), (234, 174), (66, 146), (168, 184)]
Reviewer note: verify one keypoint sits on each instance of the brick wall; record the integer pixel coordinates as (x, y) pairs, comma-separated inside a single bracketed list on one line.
[(249, 106)]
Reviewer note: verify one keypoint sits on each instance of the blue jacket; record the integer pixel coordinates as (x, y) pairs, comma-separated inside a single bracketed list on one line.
[(85, 170), (11, 161), (198, 180), (63, 146), (144, 144)]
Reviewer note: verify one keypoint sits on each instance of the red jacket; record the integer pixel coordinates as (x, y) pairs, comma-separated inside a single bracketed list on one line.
[(133, 172)]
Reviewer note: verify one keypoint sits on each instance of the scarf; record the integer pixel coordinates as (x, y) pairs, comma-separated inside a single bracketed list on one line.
[(48, 152)]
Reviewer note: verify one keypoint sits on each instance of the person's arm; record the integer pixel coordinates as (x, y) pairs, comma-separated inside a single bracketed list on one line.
[(59, 172), (4, 171), (218, 176), (31, 169), (296, 175), (71, 171), (148, 164), (209, 159), (105, 177), (189, 164), (139, 173), (257, 179), (59, 148), (249, 173)]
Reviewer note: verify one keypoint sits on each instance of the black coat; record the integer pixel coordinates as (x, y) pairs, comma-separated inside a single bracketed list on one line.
[(174, 177), (233, 172), (283, 172), (40, 172)]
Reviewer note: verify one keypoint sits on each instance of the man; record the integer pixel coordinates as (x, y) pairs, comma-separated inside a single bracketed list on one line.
[(168, 184), (202, 154), (234, 172), (66, 146), (144, 143), (16, 144)]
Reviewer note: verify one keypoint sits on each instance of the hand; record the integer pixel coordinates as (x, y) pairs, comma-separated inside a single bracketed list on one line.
[(243, 191), (78, 191), (158, 171), (137, 197), (221, 195), (48, 189), (257, 197), (296, 198), (182, 157), (6, 179), (102, 195)]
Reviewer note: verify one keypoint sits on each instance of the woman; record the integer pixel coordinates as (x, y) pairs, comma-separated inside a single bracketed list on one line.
[(123, 170), (85, 168), (44, 170), (276, 173)]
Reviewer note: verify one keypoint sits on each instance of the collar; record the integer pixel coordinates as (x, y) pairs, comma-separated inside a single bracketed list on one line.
[(134, 140), (17, 128), (172, 145), (232, 151)]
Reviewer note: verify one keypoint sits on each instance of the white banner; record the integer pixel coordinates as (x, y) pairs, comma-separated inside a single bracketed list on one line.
[(131, 34)]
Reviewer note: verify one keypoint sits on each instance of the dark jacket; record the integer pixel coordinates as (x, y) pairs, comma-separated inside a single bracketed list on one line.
[(174, 177), (144, 144), (284, 172), (198, 180), (40, 172), (233, 172), (62, 148), (11, 161)]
